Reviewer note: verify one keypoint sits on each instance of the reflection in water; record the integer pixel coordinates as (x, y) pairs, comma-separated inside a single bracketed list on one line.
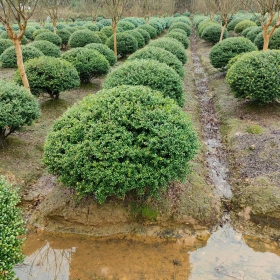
[(226, 256)]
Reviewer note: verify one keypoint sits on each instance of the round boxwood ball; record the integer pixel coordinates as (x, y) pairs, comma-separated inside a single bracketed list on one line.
[(205, 24), (160, 55), (233, 23), (252, 34), (83, 37), (145, 34), (222, 52), (88, 62), (24, 40), (8, 58), (5, 44), (243, 25), (108, 53), (158, 27), (49, 36), (156, 75), (179, 37), (47, 48), (181, 19), (125, 25), (128, 138), (137, 35), (40, 31), (247, 30), (212, 33), (248, 78), (171, 45), (49, 75), (182, 26), (107, 30), (17, 108), (126, 43), (152, 31), (259, 41), (178, 30), (64, 35), (92, 27)]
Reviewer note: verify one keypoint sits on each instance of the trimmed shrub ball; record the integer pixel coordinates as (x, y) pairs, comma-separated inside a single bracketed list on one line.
[(101, 36), (171, 45), (233, 23), (126, 43), (83, 37), (51, 37), (259, 41), (181, 19), (157, 26), (49, 75), (47, 48), (242, 25), (40, 31), (274, 42), (92, 27), (17, 108), (107, 30), (182, 26), (179, 37), (5, 44), (152, 31), (28, 33), (108, 53), (248, 78), (222, 52), (160, 55), (137, 35), (253, 33), (145, 34), (125, 25), (212, 34), (24, 40), (247, 30), (89, 63), (156, 75), (64, 35), (205, 24), (8, 58), (178, 30), (124, 139)]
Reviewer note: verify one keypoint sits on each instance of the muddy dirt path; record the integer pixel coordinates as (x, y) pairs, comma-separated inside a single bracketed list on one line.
[(215, 155)]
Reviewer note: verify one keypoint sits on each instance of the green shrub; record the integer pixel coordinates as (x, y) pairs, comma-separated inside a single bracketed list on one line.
[(233, 23), (9, 60), (181, 19), (5, 44), (88, 62), (156, 75), (247, 30), (49, 75), (17, 108), (212, 34), (234, 59), (81, 38), (125, 25), (259, 41), (172, 46), (137, 35), (252, 34), (274, 42), (49, 36), (40, 31), (29, 32), (176, 15), (152, 31), (178, 30), (47, 48), (126, 43), (72, 29), (108, 53), (4, 35), (102, 37), (149, 144), (182, 26), (205, 24), (11, 226), (160, 55), (243, 25), (255, 75), (222, 52), (107, 30), (145, 34), (157, 26), (179, 37), (197, 19), (187, 14), (254, 129), (106, 22), (64, 35), (92, 27)]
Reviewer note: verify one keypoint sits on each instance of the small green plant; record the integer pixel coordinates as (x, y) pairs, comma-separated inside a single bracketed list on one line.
[(83, 37), (137, 35), (11, 227), (47, 48), (152, 31), (125, 25), (254, 129), (181, 25), (145, 34), (179, 37), (242, 25), (64, 36), (212, 33), (49, 36), (103, 49), (5, 44)]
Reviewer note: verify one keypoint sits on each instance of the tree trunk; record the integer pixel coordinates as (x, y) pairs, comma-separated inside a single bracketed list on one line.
[(54, 25), (114, 25), (223, 30), (265, 38), (17, 43)]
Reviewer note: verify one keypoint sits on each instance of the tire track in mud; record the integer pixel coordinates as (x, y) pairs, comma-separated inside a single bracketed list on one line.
[(215, 154)]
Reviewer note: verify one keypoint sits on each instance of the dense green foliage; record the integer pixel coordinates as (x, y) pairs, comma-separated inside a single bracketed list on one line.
[(126, 43), (49, 36), (92, 27), (222, 52), (17, 108), (88, 62), (259, 41), (125, 139), (157, 26), (234, 22), (107, 30), (171, 45), (40, 31), (152, 31), (24, 40), (179, 37), (255, 75), (103, 49), (212, 33), (49, 75), (247, 30), (101, 36), (8, 58), (181, 19), (182, 26), (274, 42), (47, 48), (137, 35), (160, 55), (64, 35), (145, 34), (83, 37), (253, 33), (242, 25), (5, 44), (11, 226), (178, 30), (125, 25), (205, 24), (156, 75)]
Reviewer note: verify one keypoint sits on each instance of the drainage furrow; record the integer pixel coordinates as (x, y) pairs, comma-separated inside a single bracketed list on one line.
[(215, 155)]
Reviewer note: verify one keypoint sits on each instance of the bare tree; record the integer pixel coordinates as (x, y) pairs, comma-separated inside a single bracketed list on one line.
[(18, 11), (115, 9)]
